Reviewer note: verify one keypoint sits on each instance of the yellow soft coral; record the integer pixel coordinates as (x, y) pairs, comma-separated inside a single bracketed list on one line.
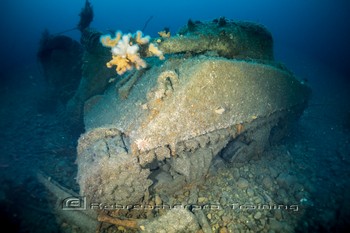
[(107, 40), (140, 39), (125, 50), (122, 64), (164, 34), (137, 61), (155, 51), (128, 63)]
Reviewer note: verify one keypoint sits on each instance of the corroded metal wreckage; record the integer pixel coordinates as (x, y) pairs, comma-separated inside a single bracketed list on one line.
[(159, 130)]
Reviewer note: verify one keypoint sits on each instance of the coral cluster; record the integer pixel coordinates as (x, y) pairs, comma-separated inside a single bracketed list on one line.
[(127, 50), (164, 34)]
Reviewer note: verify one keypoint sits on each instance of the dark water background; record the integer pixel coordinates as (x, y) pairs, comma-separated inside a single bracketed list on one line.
[(318, 29), (310, 37)]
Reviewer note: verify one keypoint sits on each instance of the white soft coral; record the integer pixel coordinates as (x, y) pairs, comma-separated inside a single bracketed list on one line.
[(124, 47), (125, 56)]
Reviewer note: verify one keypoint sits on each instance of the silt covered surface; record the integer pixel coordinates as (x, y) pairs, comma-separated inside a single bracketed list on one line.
[(206, 94)]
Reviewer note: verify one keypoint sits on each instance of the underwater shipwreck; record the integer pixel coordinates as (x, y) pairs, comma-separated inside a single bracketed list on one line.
[(160, 115)]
